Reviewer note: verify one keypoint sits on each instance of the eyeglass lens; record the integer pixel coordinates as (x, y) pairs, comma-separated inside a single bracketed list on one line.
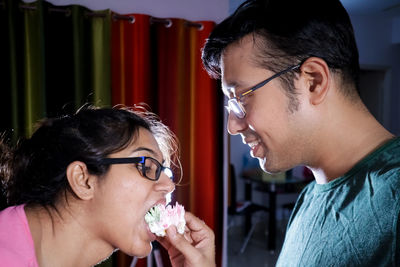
[(235, 107), (152, 169)]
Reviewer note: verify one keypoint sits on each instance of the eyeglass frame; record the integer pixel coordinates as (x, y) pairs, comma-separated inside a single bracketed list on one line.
[(236, 100), (130, 160)]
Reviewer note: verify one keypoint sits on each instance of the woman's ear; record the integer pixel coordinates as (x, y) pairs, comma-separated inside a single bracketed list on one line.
[(317, 79), (80, 181)]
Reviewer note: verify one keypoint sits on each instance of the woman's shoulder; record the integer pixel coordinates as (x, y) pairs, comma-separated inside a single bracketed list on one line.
[(16, 244), (10, 214)]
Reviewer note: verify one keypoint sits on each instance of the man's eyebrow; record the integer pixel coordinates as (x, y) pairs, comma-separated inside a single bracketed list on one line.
[(230, 88), (232, 84)]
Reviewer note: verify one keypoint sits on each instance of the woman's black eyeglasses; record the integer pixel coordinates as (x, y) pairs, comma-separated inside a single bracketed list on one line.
[(149, 167)]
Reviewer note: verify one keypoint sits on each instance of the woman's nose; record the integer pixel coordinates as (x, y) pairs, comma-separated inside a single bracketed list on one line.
[(165, 183)]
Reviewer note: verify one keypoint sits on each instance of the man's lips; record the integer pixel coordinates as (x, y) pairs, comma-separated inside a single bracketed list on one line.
[(254, 146), (253, 143)]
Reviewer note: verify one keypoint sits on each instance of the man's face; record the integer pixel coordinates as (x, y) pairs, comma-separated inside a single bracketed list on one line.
[(276, 136)]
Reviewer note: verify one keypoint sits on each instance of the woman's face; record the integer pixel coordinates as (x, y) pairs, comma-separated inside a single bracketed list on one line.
[(124, 196)]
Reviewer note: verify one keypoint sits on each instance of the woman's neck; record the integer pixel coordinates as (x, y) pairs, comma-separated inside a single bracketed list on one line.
[(61, 238)]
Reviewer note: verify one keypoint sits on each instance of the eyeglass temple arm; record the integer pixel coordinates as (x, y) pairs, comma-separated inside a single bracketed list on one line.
[(271, 78), (122, 160)]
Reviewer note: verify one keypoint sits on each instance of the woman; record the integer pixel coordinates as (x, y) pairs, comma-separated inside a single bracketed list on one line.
[(72, 206)]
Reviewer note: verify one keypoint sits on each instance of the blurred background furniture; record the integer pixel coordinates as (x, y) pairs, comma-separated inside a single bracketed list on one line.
[(256, 180)]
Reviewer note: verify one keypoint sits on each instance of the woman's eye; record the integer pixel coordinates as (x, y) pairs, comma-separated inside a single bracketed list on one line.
[(147, 169), (140, 167), (143, 168)]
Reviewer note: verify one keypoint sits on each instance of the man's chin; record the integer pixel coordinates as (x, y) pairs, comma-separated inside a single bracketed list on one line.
[(267, 168), (262, 162)]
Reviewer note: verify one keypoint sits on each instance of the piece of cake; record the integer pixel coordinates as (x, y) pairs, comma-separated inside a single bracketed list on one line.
[(160, 217)]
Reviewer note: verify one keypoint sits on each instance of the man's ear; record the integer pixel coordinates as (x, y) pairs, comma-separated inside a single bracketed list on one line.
[(80, 181), (317, 79)]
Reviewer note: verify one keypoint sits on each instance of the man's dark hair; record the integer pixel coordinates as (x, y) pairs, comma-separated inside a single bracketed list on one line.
[(287, 32)]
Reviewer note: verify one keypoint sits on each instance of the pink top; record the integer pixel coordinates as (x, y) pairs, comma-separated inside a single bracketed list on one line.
[(16, 243)]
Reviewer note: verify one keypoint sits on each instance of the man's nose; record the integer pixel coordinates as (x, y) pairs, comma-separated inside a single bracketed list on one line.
[(235, 125)]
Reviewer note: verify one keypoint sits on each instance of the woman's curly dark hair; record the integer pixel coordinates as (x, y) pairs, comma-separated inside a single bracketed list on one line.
[(34, 172)]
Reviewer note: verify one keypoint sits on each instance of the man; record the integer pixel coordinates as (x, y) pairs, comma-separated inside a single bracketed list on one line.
[(290, 71)]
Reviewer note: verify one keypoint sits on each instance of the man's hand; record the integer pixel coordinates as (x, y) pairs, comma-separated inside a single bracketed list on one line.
[(195, 248)]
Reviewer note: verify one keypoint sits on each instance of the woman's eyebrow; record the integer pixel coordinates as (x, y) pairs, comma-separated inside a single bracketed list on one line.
[(145, 149), (152, 152)]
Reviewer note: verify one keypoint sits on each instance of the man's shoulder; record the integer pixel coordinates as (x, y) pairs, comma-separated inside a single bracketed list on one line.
[(384, 167), (389, 153)]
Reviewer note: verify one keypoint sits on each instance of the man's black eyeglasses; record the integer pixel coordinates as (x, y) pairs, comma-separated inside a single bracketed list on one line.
[(235, 104), (149, 167)]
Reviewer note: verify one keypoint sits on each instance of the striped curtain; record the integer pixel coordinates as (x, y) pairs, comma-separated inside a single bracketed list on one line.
[(57, 58)]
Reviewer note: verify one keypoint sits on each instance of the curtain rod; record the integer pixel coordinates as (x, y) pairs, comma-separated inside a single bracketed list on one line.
[(167, 22), (95, 15), (129, 18), (66, 11), (22, 6), (199, 26)]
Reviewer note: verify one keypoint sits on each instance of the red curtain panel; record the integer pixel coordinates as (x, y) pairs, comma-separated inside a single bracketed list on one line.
[(131, 60), (188, 104)]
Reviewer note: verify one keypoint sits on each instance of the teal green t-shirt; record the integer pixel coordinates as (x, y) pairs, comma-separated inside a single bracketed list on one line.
[(350, 221)]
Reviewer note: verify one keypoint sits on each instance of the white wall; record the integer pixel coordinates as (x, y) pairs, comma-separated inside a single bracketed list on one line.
[(378, 50), (193, 10)]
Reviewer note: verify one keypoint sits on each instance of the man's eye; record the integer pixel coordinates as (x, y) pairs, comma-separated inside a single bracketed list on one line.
[(244, 100)]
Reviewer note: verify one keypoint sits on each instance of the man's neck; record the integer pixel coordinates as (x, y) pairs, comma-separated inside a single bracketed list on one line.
[(345, 143)]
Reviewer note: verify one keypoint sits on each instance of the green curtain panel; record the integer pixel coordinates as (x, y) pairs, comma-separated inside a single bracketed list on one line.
[(58, 59), (81, 55), (6, 70), (101, 56), (55, 59), (34, 66)]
